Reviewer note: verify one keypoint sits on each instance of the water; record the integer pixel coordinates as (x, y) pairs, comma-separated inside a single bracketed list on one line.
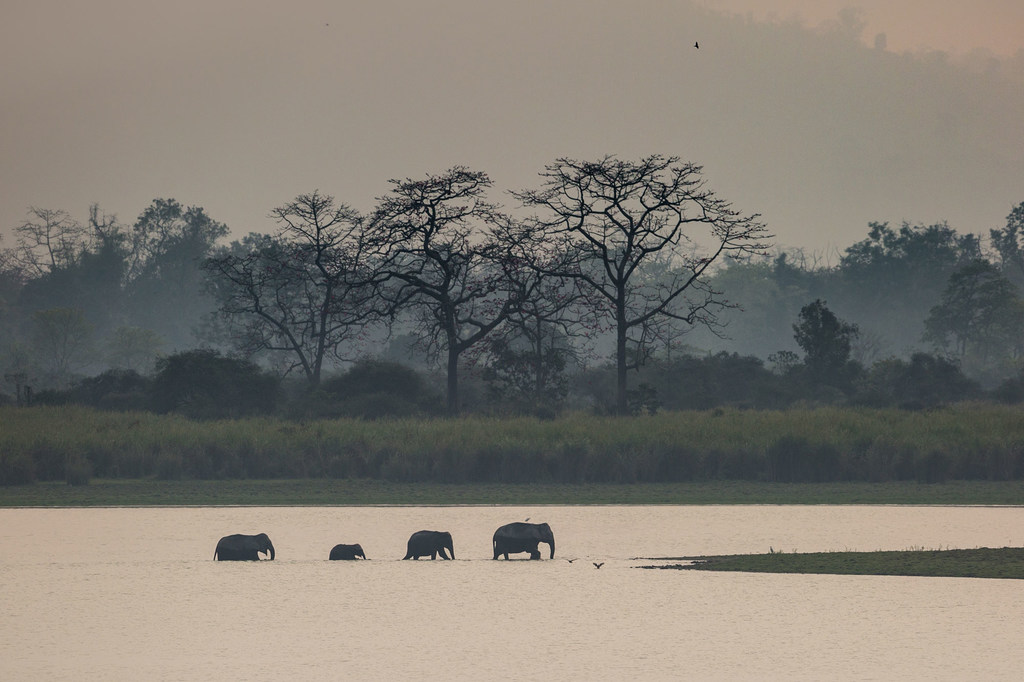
[(133, 594)]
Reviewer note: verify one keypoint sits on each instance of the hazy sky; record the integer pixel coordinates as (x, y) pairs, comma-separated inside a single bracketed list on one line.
[(240, 105)]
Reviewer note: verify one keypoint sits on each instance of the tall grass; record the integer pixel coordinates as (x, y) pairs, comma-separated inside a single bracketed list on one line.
[(969, 441)]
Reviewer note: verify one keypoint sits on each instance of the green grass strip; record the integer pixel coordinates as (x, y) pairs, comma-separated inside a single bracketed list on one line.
[(358, 492), (1007, 562)]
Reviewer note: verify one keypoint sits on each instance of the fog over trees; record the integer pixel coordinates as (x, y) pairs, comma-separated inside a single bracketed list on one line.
[(629, 286), (615, 282)]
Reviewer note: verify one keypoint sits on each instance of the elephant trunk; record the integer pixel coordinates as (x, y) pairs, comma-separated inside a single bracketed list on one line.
[(271, 548), (551, 543)]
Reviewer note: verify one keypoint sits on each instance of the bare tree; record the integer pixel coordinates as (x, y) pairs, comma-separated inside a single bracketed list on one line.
[(49, 240), (305, 291), (552, 322), (615, 219), (441, 256)]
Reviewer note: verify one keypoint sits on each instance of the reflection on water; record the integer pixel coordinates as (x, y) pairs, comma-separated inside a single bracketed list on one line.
[(132, 594)]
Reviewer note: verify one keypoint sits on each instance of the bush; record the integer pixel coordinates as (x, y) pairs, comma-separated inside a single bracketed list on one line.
[(373, 389), (925, 381), (204, 385), (115, 389)]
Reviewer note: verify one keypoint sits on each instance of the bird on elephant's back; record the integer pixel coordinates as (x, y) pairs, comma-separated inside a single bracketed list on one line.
[(518, 537), (430, 543), (243, 548)]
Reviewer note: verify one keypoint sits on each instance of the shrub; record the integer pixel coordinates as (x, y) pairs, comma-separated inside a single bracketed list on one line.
[(374, 389), (204, 385)]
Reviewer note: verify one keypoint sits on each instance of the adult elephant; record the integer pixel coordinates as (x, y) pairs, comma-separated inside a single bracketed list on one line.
[(522, 537), (346, 553), (243, 548), (430, 542)]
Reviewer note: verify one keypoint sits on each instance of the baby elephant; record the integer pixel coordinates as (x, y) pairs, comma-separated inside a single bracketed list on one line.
[(347, 552)]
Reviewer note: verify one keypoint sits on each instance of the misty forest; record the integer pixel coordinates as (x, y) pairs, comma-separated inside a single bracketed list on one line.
[(615, 291), (616, 287)]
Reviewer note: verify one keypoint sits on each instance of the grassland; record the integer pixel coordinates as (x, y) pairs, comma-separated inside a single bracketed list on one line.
[(1007, 562), (964, 454)]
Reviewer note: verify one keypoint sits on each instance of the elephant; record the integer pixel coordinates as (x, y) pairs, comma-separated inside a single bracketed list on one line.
[(243, 548), (523, 537), (347, 552), (432, 542)]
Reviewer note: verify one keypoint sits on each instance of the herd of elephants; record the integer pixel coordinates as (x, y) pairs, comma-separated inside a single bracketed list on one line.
[(512, 538)]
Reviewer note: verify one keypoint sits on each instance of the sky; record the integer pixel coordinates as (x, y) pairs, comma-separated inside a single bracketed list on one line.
[(238, 106)]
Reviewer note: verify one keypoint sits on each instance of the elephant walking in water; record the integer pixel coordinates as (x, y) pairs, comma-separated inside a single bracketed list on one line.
[(346, 553), (243, 548), (522, 537), (430, 542)]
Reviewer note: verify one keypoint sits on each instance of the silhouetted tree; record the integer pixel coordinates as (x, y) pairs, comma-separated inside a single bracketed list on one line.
[(890, 280), (980, 315), (443, 262), (551, 324), (827, 342), (304, 292), (1009, 244), (166, 293), (615, 219), (49, 240)]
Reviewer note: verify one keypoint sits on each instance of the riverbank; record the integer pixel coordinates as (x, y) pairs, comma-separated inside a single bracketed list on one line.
[(362, 492), (1006, 562)]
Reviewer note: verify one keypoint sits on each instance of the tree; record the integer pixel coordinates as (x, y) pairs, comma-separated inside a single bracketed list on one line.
[(1009, 244), (133, 348), (304, 292), (615, 220), (49, 240), (980, 315), (442, 261), (62, 264), (165, 277), (889, 280), (827, 343), (550, 325), (62, 339)]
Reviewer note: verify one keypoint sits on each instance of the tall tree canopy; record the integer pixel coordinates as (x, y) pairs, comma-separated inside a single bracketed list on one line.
[(304, 291), (442, 259), (617, 220), (827, 343)]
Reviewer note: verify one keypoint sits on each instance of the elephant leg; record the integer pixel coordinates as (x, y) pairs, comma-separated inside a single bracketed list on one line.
[(535, 554)]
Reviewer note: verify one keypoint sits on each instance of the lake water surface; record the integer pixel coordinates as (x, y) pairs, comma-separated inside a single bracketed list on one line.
[(133, 594)]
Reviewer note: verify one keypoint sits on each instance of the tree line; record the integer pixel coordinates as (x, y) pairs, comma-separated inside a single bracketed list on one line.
[(616, 285)]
